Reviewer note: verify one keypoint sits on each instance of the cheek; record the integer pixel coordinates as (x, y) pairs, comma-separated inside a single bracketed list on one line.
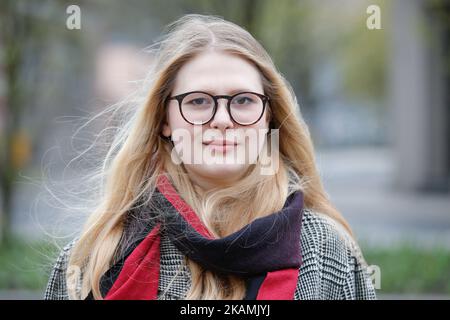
[(175, 120), (260, 131), (183, 136), (261, 127), (184, 129)]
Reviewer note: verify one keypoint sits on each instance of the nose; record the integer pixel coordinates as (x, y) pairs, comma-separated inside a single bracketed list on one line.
[(222, 119)]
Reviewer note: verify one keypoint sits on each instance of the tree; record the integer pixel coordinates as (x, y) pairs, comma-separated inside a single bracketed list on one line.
[(25, 27)]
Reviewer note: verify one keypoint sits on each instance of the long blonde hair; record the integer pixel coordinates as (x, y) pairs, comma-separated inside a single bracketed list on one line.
[(139, 154)]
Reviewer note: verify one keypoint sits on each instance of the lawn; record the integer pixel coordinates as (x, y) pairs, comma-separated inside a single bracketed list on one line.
[(26, 265), (404, 268), (410, 270)]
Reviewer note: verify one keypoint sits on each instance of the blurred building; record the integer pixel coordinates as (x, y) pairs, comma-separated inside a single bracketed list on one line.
[(419, 93)]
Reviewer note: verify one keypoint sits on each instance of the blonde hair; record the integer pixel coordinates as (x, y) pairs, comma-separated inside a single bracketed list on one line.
[(139, 154)]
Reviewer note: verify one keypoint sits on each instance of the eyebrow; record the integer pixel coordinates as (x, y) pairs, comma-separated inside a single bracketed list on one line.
[(231, 92)]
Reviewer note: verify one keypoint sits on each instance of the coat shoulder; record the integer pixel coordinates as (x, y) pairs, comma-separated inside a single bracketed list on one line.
[(57, 285), (333, 266)]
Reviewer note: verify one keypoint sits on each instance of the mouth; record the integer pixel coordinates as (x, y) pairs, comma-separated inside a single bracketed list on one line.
[(220, 143), (221, 146)]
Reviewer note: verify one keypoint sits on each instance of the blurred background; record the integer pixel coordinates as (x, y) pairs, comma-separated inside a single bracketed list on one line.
[(376, 101)]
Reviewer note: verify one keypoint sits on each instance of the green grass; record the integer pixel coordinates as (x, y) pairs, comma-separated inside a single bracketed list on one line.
[(410, 270), (404, 268), (26, 265)]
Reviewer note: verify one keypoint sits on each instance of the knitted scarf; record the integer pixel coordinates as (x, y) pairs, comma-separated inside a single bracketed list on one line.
[(266, 252)]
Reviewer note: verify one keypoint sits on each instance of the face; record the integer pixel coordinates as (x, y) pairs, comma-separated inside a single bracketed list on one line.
[(217, 73)]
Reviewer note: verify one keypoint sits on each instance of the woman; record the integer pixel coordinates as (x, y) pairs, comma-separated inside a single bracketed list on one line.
[(222, 225)]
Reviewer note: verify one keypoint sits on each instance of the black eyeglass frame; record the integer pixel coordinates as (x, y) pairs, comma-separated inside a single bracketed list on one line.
[(181, 96)]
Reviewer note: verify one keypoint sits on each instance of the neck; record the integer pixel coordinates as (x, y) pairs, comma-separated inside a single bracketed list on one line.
[(204, 183)]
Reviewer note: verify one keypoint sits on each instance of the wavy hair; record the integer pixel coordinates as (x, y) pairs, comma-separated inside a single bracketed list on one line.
[(139, 154)]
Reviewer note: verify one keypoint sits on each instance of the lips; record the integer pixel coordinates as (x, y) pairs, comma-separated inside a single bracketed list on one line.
[(222, 146), (220, 143)]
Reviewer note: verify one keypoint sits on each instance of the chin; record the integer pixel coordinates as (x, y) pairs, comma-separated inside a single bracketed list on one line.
[(219, 171)]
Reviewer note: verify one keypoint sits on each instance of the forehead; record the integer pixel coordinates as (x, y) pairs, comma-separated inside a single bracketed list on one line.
[(218, 73)]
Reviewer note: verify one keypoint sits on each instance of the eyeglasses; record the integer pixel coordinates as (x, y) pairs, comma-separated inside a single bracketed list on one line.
[(199, 108)]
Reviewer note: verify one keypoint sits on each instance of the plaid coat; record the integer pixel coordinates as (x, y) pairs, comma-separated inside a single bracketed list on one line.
[(333, 266)]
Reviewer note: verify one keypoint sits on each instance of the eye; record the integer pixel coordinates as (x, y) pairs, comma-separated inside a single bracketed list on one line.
[(243, 100), (198, 101)]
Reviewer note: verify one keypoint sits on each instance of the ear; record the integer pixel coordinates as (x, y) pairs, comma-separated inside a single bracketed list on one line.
[(166, 131)]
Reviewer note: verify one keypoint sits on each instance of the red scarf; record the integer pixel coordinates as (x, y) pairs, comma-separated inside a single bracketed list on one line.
[(139, 276)]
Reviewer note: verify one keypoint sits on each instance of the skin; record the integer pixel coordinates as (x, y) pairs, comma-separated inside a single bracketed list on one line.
[(217, 73)]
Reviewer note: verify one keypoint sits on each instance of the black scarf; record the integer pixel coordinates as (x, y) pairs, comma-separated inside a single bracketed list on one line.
[(266, 252)]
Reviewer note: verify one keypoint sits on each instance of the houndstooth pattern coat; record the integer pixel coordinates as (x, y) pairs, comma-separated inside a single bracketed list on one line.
[(333, 266)]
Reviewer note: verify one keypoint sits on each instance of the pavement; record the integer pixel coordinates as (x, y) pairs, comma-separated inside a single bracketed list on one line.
[(360, 183)]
